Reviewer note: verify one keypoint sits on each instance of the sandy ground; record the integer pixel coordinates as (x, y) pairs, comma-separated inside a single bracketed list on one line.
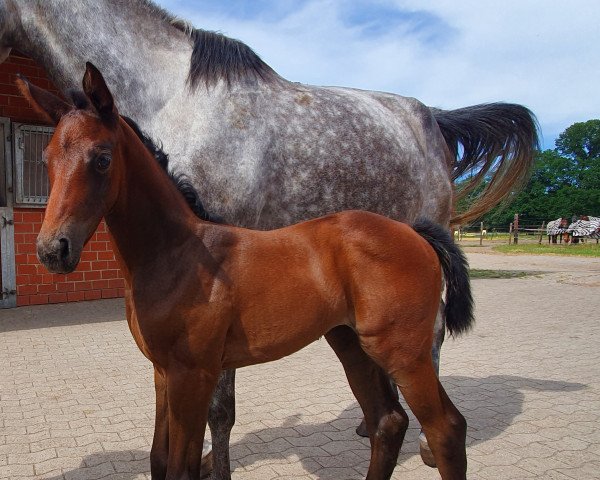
[(76, 397)]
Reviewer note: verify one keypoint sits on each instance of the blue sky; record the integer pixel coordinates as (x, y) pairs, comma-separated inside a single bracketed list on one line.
[(447, 53)]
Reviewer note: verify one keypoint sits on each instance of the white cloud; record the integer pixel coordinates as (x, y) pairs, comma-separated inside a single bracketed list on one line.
[(545, 55)]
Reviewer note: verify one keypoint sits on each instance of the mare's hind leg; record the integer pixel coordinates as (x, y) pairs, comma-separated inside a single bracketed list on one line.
[(221, 418), (385, 419)]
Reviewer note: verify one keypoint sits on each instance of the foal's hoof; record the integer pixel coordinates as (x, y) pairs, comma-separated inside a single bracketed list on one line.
[(361, 430), (426, 454), (206, 466)]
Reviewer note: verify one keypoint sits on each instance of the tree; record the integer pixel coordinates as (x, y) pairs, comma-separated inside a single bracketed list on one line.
[(580, 141)]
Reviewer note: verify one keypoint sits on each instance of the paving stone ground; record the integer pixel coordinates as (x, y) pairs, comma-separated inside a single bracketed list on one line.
[(76, 396)]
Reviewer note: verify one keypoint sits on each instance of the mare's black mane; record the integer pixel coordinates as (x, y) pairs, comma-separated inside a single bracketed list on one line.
[(215, 56), (180, 180)]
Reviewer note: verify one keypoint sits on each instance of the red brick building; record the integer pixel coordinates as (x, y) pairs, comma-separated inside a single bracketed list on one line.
[(23, 194)]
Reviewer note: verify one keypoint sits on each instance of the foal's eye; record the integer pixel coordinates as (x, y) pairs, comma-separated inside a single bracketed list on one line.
[(103, 162)]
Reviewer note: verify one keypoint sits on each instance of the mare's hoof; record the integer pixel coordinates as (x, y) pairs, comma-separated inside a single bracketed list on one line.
[(426, 454), (206, 466), (361, 430)]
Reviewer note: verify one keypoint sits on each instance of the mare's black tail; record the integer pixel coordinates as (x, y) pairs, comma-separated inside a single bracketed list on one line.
[(497, 140), (459, 301)]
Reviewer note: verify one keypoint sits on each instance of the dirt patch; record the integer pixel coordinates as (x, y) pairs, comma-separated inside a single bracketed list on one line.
[(480, 273), (488, 260)]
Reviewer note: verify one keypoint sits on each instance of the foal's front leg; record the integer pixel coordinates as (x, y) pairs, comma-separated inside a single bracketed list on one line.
[(189, 391), (160, 445)]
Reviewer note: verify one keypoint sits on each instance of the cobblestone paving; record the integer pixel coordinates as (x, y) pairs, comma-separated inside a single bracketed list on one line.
[(76, 398)]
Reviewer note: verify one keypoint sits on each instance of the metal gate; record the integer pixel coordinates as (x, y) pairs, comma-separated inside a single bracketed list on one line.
[(8, 297)]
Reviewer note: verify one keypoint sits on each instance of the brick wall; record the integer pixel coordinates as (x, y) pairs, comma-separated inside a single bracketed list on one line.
[(97, 275)]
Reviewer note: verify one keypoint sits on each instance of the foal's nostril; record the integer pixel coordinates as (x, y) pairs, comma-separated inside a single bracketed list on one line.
[(63, 252)]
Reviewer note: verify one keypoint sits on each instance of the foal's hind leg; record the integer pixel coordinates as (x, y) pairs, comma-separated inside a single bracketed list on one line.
[(439, 332), (443, 424), (221, 418), (361, 430), (385, 419)]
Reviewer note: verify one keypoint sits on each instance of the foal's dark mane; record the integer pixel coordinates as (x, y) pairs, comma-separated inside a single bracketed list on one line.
[(190, 194), (215, 56)]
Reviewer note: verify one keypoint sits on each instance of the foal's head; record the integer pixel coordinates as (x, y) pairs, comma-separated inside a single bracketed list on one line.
[(85, 167)]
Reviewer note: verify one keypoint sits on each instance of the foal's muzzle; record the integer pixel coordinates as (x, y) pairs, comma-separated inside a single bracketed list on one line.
[(58, 254)]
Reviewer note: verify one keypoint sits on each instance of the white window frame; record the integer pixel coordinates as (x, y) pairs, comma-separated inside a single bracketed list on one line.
[(24, 196)]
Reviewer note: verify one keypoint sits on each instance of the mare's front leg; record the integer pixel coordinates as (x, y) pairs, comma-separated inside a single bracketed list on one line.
[(189, 392), (221, 418)]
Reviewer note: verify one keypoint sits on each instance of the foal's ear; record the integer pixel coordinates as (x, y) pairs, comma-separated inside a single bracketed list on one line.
[(44, 102), (96, 90)]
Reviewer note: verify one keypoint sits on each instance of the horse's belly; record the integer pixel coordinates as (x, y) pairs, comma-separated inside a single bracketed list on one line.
[(271, 341)]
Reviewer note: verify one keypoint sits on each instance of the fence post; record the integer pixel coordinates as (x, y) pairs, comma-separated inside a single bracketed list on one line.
[(510, 232), (516, 228), (481, 234), (541, 232)]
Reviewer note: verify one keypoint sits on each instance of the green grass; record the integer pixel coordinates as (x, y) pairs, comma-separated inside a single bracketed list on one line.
[(477, 273), (582, 250), (490, 236)]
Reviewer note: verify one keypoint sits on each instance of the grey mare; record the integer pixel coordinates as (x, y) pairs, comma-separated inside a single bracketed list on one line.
[(265, 152)]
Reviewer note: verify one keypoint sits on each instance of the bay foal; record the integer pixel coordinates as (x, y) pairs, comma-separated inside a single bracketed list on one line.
[(203, 297)]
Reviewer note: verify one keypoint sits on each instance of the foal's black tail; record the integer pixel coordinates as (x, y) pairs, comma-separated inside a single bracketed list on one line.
[(459, 301)]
